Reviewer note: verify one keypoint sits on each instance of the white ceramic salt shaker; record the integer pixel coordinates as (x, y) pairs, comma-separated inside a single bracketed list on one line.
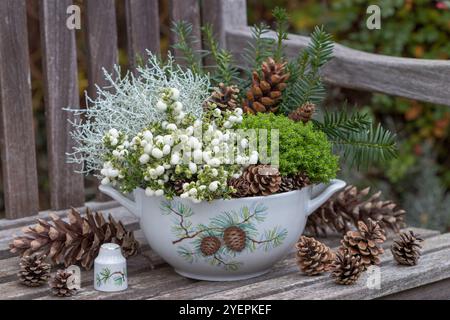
[(110, 269)]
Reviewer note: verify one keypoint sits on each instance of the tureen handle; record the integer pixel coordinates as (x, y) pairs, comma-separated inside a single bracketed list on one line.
[(314, 203), (118, 196)]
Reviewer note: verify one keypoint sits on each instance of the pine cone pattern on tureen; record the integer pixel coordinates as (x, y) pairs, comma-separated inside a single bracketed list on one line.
[(235, 238), (210, 245)]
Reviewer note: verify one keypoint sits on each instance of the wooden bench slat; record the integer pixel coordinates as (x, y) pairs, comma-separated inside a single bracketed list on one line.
[(433, 267), (61, 91), (188, 11), (295, 280), (142, 28), (101, 41), (420, 79), (18, 150)]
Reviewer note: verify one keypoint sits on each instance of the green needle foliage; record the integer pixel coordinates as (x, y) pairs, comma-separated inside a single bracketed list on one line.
[(372, 144), (223, 69), (338, 124), (282, 25), (185, 43)]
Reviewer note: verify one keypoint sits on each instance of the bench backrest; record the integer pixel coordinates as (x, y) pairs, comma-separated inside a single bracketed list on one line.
[(426, 80)]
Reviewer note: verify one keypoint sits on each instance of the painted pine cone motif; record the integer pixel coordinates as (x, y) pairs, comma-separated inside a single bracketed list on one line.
[(227, 235)]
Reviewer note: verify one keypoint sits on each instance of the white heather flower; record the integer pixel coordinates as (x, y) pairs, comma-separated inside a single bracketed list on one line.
[(159, 170), (104, 172), (217, 112), (239, 119), (164, 124), (113, 173), (215, 142), (177, 107), (232, 118), (216, 149), (168, 139), (244, 143), (159, 192), (214, 162), (253, 159), (190, 130), (193, 192), (238, 111), (171, 126), (202, 187), (206, 156), (105, 180), (157, 153), (197, 123), (148, 148), (226, 137), (166, 150), (114, 141), (167, 166), (192, 167), (144, 158), (193, 141), (184, 195), (161, 106), (149, 192), (147, 135), (214, 172), (185, 185), (213, 186), (183, 138), (175, 159), (144, 143), (198, 155), (116, 153), (113, 133), (236, 175), (175, 93), (181, 115), (227, 124)]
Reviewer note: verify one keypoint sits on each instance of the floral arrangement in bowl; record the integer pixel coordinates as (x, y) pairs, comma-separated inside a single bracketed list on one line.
[(186, 136)]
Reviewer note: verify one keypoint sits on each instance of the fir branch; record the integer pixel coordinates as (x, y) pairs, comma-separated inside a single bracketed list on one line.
[(185, 41), (320, 48), (338, 124), (281, 20), (368, 145), (259, 48)]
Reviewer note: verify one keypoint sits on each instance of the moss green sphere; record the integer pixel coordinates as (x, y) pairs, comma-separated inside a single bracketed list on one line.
[(301, 147)]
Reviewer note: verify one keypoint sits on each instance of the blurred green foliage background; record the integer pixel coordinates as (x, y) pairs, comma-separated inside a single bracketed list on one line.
[(420, 178)]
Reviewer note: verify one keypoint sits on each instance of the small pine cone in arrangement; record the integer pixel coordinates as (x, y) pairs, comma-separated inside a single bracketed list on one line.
[(241, 186), (60, 284), (406, 249), (263, 179), (235, 238), (265, 92), (343, 211), (34, 270), (303, 113), (293, 182), (346, 268), (313, 257), (225, 97), (210, 245), (366, 242), (177, 186)]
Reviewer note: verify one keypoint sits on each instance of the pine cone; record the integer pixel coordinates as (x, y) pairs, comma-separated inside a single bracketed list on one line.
[(76, 241), (263, 179), (177, 186), (303, 113), (210, 245), (241, 185), (313, 257), (34, 271), (60, 283), (235, 238), (265, 93), (225, 97), (406, 250), (293, 182), (345, 209), (346, 268), (364, 242)]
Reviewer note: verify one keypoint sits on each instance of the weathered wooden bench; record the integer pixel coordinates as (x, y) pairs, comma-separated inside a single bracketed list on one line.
[(150, 277)]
